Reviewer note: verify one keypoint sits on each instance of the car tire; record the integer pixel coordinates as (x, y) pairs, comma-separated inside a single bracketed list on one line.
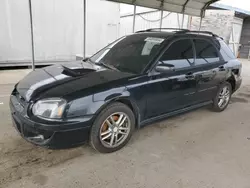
[(223, 97), (109, 121)]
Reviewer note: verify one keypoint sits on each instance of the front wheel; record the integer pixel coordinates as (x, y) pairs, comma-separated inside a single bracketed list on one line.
[(112, 128), (221, 101)]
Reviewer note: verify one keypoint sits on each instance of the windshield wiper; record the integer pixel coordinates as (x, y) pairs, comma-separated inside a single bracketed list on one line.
[(90, 60), (106, 65)]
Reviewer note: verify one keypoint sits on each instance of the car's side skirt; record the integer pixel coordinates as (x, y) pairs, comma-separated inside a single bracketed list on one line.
[(163, 116)]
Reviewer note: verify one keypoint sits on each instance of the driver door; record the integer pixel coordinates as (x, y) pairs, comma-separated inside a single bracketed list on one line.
[(175, 88)]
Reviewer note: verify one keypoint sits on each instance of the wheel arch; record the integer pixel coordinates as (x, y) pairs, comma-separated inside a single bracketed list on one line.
[(231, 79), (126, 101)]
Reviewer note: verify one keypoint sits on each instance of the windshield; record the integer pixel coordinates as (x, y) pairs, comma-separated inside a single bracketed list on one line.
[(129, 54)]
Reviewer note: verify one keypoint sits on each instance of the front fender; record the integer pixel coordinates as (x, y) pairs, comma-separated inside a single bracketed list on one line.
[(124, 98), (110, 94), (83, 106), (93, 104)]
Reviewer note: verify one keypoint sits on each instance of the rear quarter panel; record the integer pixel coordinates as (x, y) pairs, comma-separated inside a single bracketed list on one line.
[(234, 67)]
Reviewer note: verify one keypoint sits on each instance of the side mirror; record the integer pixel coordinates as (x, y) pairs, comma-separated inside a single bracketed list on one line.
[(162, 68)]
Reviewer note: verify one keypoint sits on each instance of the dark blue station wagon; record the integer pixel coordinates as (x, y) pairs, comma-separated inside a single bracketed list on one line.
[(136, 80)]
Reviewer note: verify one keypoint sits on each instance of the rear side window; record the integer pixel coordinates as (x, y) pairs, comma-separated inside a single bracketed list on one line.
[(205, 52), (226, 51), (180, 54)]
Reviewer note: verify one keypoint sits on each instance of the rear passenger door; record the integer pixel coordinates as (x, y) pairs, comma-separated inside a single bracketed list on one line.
[(209, 68)]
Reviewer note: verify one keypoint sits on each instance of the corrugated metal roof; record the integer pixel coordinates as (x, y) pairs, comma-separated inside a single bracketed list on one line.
[(190, 7)]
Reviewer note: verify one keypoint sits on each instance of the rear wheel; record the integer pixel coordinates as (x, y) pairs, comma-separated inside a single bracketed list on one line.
[(112, 128), (223, 97)]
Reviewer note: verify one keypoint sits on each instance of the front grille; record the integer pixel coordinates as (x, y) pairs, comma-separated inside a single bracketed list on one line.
[(18, 102), (20, 98)]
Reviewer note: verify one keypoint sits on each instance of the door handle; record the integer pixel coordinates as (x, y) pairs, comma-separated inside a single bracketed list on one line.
[(221, 68), (189, 75)]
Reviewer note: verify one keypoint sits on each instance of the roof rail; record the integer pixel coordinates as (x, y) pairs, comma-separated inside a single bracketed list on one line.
[(160, 29), (176, 29), (200, 32), (179, 31)]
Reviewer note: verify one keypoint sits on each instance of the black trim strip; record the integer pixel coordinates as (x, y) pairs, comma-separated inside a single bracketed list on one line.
[(174, 113)]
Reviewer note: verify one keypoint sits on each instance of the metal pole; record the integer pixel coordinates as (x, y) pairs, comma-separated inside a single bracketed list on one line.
[(32, 36), (84, 29), (200, 24), (161, 18), (178, 21), (190, 22), (234, 49), (182, 24), (134, 18)]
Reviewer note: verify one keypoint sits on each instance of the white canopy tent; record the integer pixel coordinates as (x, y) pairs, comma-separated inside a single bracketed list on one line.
[(189, 7)]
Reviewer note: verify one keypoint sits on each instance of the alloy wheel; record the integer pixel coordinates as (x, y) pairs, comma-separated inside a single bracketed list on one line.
[(115, 129), (224, 97)]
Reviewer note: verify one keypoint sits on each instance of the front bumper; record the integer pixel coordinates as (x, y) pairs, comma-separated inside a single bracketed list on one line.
[(64, 134)]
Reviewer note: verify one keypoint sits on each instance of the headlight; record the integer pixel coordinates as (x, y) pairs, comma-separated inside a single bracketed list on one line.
[(49, 108)]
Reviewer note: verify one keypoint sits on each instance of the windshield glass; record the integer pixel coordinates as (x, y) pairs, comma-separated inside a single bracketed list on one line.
[(129, 54)]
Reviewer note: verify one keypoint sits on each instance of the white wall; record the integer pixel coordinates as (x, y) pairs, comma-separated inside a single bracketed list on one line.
[(14, 30), (58, 28), (219, 22)]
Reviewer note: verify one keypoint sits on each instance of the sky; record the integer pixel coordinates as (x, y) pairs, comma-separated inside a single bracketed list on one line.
[(242, 4)]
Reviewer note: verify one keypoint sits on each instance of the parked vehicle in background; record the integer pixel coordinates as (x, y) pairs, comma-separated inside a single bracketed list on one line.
[(138, 79)]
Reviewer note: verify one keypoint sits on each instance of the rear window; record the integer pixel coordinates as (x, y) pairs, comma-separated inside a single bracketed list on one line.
[(225, 51)]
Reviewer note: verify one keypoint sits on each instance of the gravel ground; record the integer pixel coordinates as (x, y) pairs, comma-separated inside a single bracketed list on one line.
[(197, 149)]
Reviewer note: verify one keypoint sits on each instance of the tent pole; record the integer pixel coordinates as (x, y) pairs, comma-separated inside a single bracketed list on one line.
[(200, 24), (161, 19), (182, 24), (84, 29), (178, 21), (134, 18), (32, 36)]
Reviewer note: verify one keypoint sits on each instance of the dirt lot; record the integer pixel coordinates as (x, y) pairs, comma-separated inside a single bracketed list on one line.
[(197, 149)]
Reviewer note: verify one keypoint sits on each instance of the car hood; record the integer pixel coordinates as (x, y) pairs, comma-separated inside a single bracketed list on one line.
[(54, 81)]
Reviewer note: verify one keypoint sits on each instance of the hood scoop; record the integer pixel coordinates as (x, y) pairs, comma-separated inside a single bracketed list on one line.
[(76, 72)]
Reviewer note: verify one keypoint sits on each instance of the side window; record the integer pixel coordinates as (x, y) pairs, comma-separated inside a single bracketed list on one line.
[(180, 54), (225, 50), (205, 52)]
